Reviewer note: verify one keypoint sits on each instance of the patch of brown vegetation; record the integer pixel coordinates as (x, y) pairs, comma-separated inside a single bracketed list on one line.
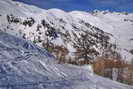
[(105, 66)]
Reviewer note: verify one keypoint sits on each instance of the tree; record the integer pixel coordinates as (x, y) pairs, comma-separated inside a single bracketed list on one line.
[(85, 46), (90, 44)]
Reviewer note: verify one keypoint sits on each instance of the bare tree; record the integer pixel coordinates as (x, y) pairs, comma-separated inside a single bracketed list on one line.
[(91, 44), (85, 46)]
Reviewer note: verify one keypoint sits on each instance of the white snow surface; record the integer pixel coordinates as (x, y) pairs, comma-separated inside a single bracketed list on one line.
[(110, 22), (27, 66), (24, 65)]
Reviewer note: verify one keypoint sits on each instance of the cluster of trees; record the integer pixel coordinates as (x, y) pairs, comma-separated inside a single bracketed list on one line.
[(59, 52), (51, 31), (90, 45), (11, 18), (130, 20), (115, 69), (85, 47), (28, 22)]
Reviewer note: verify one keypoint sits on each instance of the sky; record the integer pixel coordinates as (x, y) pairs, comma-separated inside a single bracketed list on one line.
[(84, 5)]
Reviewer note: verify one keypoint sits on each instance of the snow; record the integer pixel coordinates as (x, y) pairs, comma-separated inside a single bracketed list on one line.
[(24, 65), (38, 68), (112, 23)]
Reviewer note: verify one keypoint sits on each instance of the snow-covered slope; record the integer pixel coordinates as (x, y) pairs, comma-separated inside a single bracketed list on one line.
[(8, 7), (23, 65), (62, 28), (27, 66)]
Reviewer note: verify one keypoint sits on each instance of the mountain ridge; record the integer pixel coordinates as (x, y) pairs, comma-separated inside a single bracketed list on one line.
[(67, 22), (65, 35)]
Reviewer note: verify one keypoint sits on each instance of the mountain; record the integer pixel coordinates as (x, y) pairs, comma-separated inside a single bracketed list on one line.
[(62, 33), (24, 65), (66, 35)]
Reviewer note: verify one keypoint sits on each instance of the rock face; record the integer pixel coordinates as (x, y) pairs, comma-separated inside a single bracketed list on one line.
[(72, 37)]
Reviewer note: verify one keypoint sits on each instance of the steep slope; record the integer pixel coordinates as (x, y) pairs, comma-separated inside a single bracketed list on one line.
[(57, 30), (26, 66)]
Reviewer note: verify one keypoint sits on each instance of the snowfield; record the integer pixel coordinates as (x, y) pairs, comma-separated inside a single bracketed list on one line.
[(27, 66), (63, 25), (24, 65)]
